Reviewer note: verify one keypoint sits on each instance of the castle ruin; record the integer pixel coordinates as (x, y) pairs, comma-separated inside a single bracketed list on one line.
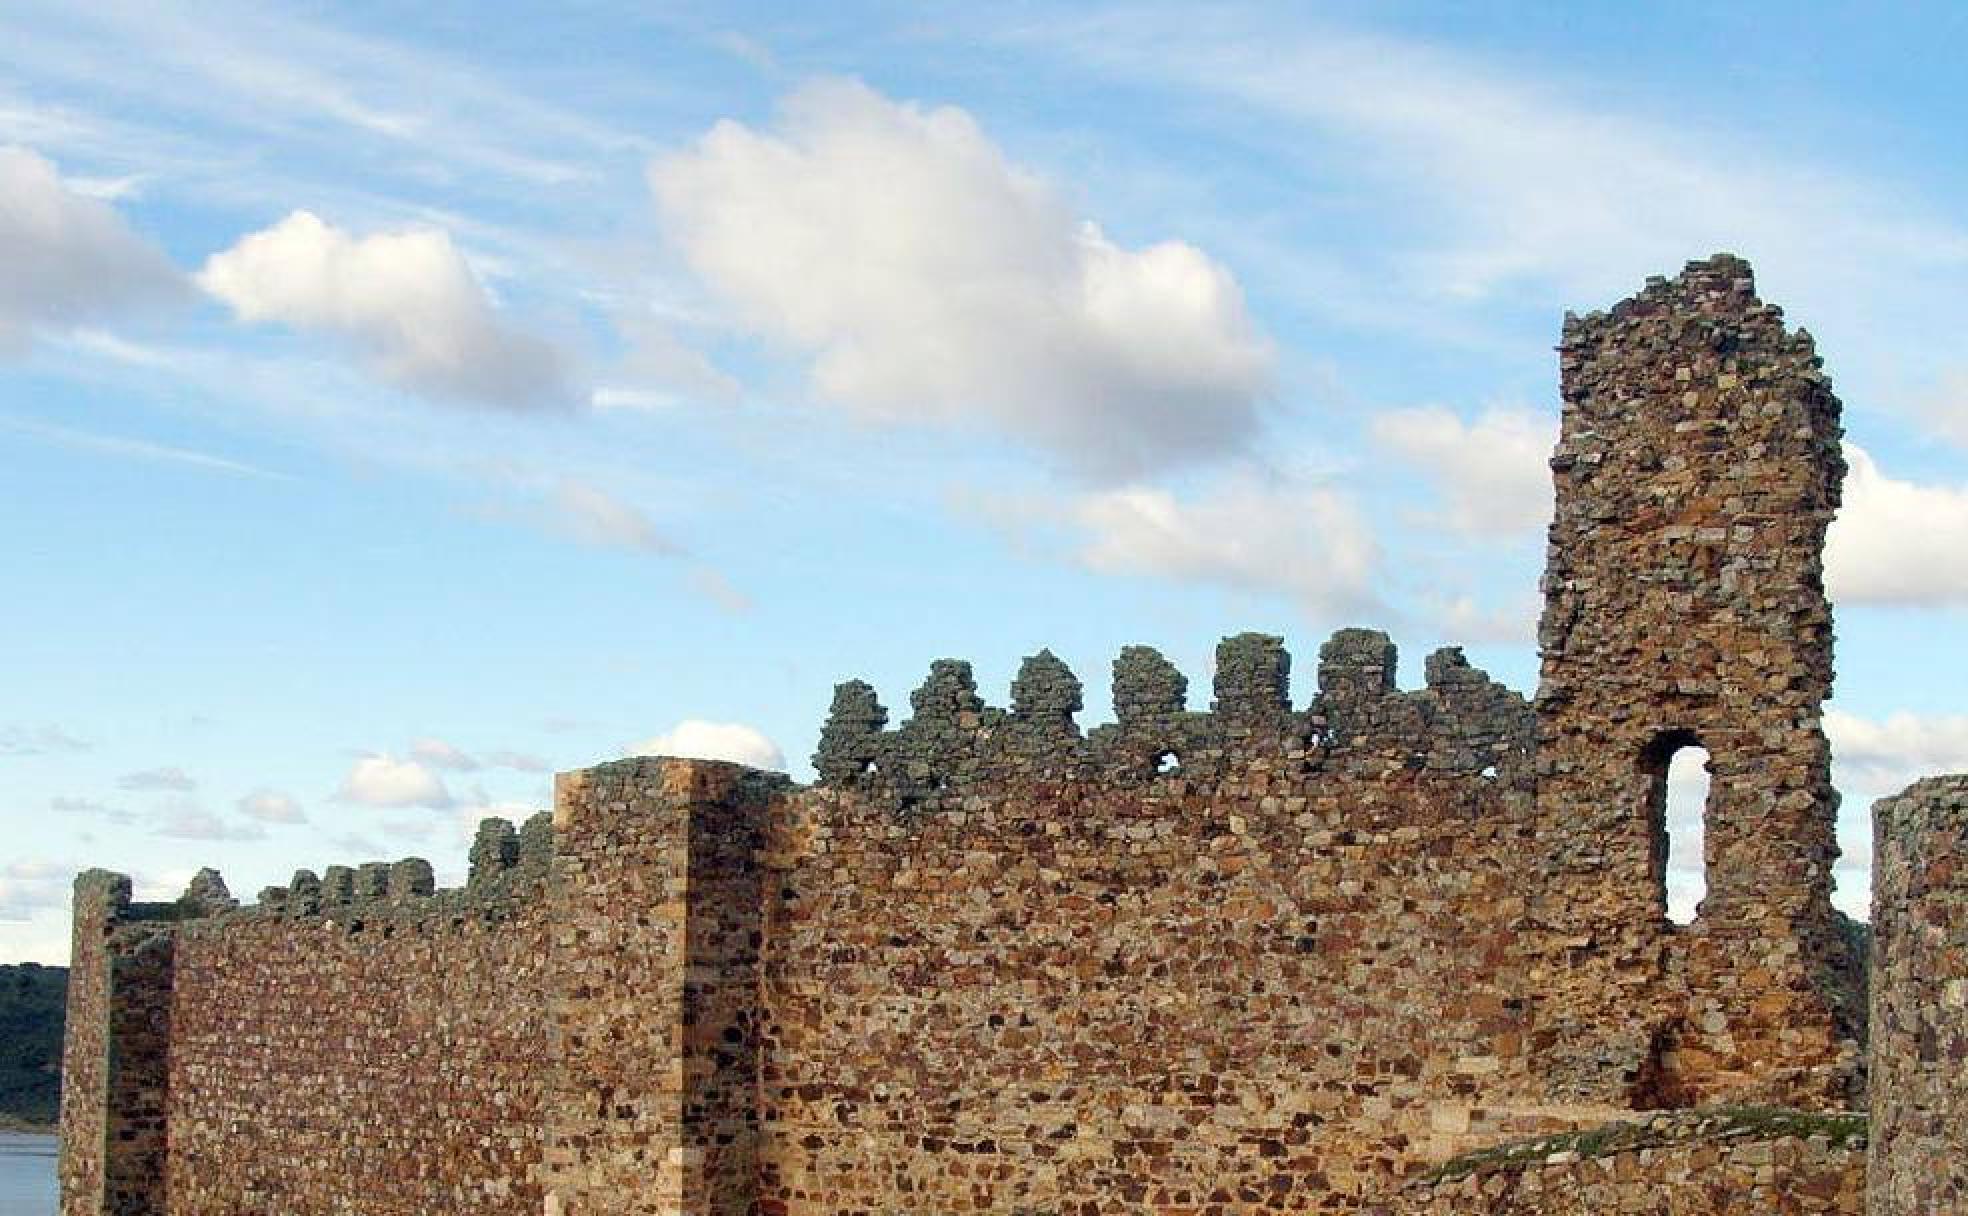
[(1333, 954)]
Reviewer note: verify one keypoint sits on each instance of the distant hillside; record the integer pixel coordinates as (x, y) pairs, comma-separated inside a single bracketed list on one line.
[(32, 1002)]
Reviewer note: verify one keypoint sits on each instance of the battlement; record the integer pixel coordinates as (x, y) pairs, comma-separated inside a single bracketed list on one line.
[(955, 746), (1265, 953), (509, 868)]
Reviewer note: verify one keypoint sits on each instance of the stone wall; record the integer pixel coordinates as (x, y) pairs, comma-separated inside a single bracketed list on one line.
[(1274, 955), (1739, 1163), (1920, 1000), (1193, 961), (655, 1026), (354, 1038), (1697, 469), (368, 1030)]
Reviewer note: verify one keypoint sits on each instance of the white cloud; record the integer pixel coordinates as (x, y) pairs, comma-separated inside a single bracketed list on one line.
[(439, 754), (714, 586), (933, 280), (519, 761), (135, 449), (171, 778), (1308, 542), (193, 823), (1466, 619), (385, 781), (591, 516), (271, 806), (70, 259), (1687, 806), (1492, 475), (30, 887), (43, 740), (733, 741), (405, 300), (659, 372), (1489, 177), (1897, 542), (1945, 410), (1877, 757)]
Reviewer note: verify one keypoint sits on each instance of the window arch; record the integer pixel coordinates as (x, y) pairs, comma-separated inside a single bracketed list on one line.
[(1677, 768)]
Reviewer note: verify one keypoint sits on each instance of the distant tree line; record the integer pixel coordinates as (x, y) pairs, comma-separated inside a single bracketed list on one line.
[(33, 1000)]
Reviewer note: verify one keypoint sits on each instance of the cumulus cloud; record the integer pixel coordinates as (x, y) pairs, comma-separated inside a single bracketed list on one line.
[(1897, 542), (1492, 475), (153, 779), (1305, 541), (1876, 757), (932, 280), (406, 301), (382, 780), (271, 806), (70, 260), (702, 740)]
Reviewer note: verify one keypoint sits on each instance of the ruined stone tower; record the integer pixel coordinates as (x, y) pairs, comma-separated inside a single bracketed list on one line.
[(1696, 473)]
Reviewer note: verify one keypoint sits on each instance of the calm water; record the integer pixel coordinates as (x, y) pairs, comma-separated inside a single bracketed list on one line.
[(27, 1175)]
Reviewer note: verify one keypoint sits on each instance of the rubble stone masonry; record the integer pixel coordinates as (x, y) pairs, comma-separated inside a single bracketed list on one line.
[(1277, 953), (1920, 1001), (1721, 1164), (1697, 469)]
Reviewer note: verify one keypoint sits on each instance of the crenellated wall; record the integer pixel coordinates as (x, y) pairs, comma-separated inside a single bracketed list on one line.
[(1257, 957), (354, 1035), (1277, 953)]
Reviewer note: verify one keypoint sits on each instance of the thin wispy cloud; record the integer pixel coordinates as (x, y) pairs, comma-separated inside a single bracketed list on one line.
[(169, 778), (137, 449), (195, 823), (1533, 181), (17, 739), (260, 69)]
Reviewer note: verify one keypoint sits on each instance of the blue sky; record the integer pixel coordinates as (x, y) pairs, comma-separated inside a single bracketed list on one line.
[(397, 408)]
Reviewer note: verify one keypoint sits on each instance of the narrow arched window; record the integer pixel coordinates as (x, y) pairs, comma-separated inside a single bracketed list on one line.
[(1676, 770)]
